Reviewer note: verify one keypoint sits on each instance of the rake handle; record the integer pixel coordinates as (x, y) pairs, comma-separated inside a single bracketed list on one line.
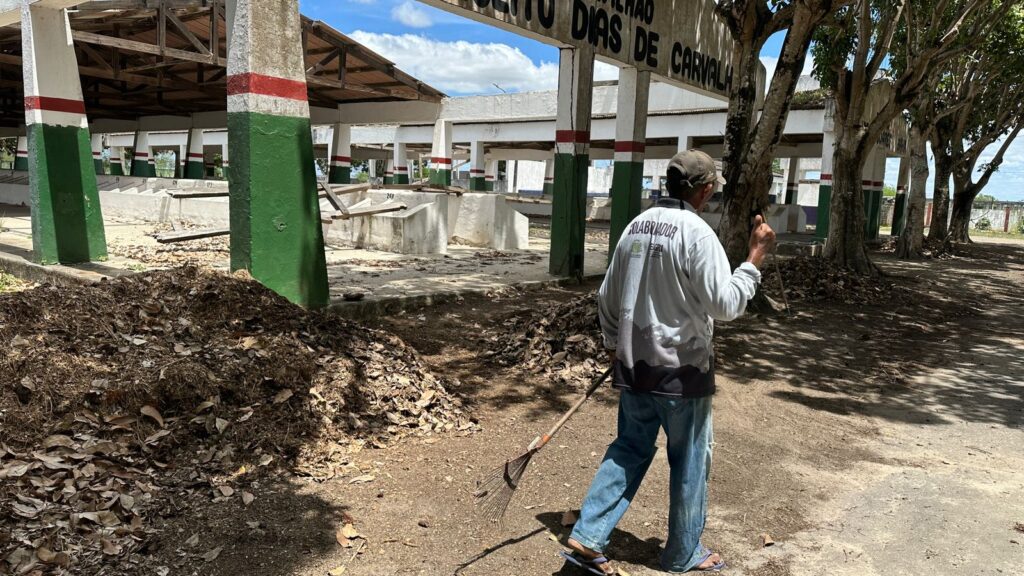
[(540, 441)]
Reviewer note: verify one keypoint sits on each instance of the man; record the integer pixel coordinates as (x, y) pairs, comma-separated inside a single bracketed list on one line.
[(667, 282)]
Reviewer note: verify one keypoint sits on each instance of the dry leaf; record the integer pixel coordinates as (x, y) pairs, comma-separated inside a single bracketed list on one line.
[(336, 571), (247, 498), (766, 540), (283, 396), (349, 531), (154, 414), (226, 490), (58, 440), (212, 554), (266, 459), (153, 438), (192, 541), (362, 479), (221, 424), (110, 548)]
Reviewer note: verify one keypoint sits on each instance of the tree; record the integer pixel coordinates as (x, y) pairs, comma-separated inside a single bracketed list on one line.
[(752, 135), (849, 57), (991, 106), (911, 240)]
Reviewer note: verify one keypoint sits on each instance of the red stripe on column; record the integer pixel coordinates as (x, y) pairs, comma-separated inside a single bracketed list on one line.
[(826, 177), (441, 160), (630, 147), (341, 158), (54, 104), (251, 83), (194, 155), (475, 171), (402, 169), (141, 154), (572, 137)]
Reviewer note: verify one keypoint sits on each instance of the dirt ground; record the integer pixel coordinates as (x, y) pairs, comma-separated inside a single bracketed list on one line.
[(864, 439)]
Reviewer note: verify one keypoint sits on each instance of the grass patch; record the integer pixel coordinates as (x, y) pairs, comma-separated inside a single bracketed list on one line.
[(10, 283)]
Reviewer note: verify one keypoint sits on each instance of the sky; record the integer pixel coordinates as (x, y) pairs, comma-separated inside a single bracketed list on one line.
[(461, 57)]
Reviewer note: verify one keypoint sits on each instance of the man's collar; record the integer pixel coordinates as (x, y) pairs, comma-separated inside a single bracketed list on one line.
[(669, 202)]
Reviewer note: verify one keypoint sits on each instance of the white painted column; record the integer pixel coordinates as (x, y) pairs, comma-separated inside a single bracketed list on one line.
[(477, 167), (491, 175), (792, 181), (97, 152), (195, 162), (549, 176), (341, 154), (21, 154), (142, 162), (825, 182), (401, 164), (441, 154)]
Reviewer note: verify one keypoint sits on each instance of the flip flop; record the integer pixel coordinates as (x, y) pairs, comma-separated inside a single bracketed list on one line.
[(588, 564), (714, 568)]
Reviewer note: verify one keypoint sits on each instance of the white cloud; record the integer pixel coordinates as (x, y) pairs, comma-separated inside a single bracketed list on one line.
[(462, 67), (411, 15)]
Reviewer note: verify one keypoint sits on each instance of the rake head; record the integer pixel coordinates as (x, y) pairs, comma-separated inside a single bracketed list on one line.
[(494, 491)]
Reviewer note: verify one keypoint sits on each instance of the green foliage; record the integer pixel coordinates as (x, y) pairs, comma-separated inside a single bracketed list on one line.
[(1020, 226), (323, 165), (163, 163), (889, 191), (776, 166), (983, 224), (363, 177), (809, 99), (985, 199)]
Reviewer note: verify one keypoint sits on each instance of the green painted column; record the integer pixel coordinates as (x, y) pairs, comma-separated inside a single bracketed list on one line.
[(400, 164), (276, 232), (116, 163), (67, 224), (572, 161), (195, 165), (825, 184), (491, 175), (97, 153), (549, 178), (792, 181), (341, 155), (630, 146), (477, 167), (21, 154), (389, 172), (900, 206), (441, 154), (142, 162)]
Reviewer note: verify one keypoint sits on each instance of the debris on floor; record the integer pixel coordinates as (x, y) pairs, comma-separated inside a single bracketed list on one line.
[(562, 340), (817, 279), (135, 398)]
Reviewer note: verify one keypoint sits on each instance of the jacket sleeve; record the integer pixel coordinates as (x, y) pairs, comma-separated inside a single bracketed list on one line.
[(608, 305), (724, 293)]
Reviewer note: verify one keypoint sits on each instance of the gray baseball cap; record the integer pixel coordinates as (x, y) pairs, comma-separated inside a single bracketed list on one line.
[(696, 167)]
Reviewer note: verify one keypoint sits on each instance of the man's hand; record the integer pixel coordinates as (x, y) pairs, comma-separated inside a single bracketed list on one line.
[(762, 240)]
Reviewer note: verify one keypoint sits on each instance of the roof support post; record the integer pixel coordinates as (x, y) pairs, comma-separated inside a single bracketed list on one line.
[(572, 161), (401, 169), (21, 154), (276, 232), (630, 146), (142, 159), (549, 177), (792, 181), (67, 225), (900, 207), (828, 144), (97, 153), (874, 175), (490, 175), (195, 165), (341, 154), (477, 167), (116, 162), (441, 154)]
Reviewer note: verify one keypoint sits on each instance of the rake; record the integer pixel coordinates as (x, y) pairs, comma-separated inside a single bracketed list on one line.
[(495, 491)]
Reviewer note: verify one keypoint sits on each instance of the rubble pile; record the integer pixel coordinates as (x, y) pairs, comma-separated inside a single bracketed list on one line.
[(817, 279), (562, 341), (120, 401)]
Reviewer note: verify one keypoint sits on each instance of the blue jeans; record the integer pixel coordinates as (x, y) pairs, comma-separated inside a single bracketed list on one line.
[(687, 423)]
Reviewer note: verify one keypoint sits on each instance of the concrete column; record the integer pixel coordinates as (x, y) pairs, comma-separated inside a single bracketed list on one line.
[(195, 165), (341, 154), (793, 181), (389, 171), (21, 154), (900, 207), (97, 153), (116, 161), (825, 183), (491, 175), (142, 161), (225, 158), (441, 154), (549, 177), (477, 167), (630, 145), (401, 164), (67, 226), (572, 160), (276, 232), (871, 185)]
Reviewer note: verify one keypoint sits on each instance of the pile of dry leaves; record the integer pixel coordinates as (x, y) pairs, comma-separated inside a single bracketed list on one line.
[(563, 341), (118, 399), (817, 279)]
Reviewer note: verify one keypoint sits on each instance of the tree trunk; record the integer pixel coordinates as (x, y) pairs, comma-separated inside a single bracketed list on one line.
[(940, 199), (845, 245), (964, 193), (911, 241)]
